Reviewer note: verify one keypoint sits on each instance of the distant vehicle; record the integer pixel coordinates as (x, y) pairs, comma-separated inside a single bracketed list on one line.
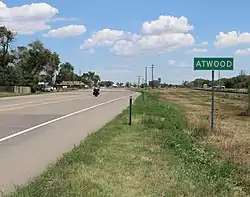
[(96, 91), (48, 89)]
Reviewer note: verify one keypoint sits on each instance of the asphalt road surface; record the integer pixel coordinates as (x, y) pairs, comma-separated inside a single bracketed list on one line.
[(36, 130)]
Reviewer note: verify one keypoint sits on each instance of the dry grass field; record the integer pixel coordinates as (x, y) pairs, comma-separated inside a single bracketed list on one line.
[(231, 135)]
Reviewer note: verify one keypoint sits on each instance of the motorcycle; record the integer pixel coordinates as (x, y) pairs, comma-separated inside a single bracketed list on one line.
[(96, 92)]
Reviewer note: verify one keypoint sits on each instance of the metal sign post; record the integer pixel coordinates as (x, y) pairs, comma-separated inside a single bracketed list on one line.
[(213, 63), (212, 109)]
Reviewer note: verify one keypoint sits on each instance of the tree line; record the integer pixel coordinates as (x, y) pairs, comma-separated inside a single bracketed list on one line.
[(239, 82), (28, 65), (242, 81)]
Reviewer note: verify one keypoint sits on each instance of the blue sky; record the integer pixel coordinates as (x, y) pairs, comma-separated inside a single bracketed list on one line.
[(124, 56)]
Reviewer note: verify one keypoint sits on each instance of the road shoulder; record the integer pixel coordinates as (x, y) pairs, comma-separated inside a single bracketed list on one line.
[(33, 151)]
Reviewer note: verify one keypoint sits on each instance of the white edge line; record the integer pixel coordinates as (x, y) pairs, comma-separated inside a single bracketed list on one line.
[(58, 119)]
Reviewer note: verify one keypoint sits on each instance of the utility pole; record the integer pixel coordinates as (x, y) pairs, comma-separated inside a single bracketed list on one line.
[(146, 77), (139, 81), (152, 67), (219, 81)]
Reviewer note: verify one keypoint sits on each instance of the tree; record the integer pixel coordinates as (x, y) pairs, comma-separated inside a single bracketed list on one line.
[(229, 83), (200, 82), (247, 112), (6, 39), (90, 78), (185, 83), (96, 79), (106, 83), (6, 57), (128, 84), (155, 82), (10, 76), (34, 60), (66, 72), (119, 84), (27, 65), (164, 85), (248, 108), (52, 67)]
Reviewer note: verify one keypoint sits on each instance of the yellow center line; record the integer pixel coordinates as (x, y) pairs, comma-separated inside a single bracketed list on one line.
[(30, 102), (39, 104)]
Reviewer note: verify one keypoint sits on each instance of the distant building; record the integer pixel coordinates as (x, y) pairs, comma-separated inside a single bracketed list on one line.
[(220, 87), (43, 83), (72, 84), (114, 86)]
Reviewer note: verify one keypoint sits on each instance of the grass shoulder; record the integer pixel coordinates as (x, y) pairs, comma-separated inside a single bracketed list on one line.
[(153, 157)]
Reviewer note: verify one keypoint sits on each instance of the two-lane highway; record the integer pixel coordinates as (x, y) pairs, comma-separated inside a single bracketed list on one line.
[(35, 130)]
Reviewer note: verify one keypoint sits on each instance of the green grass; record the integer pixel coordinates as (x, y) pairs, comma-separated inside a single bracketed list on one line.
[(153, 157), (9, 94), (3, 94)]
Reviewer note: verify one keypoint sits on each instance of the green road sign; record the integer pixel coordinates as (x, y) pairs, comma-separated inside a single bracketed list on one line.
[(216, 63)]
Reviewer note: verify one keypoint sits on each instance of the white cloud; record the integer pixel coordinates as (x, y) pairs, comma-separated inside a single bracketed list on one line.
[(165, 34), (124, 47), (153, 43), (27, 19), (91, 51), (232, 38), (165, 41), (120, 67), (107, 37), (176, 64), (66, 31), (243, 51), (171, 62), (102, 37), (198, 50), (204, 43), (115, 71), (2, 5), (63, 19), (167, 24), (184, 65)]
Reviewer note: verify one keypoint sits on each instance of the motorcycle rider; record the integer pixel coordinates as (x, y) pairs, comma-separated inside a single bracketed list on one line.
[(96, 90)]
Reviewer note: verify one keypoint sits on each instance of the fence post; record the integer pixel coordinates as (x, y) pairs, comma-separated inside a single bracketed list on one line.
[(130, 110)]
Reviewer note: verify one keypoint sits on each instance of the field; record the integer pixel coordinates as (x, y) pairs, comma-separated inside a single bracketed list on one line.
[(231, 135), (159, 155)]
